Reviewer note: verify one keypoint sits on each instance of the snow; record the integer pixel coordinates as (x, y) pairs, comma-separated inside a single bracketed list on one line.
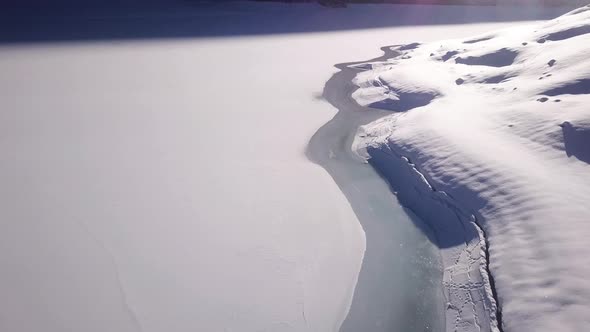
[(163, 185), (492, 133), (159, 186)]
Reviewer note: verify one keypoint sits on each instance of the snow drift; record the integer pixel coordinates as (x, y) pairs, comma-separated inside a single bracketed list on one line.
[(489, 142)]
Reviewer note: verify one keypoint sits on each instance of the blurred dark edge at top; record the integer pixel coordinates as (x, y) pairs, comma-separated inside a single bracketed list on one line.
[(24, 21)]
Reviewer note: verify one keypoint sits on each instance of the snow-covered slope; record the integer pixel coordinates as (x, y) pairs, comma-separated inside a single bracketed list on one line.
[(494, 132)]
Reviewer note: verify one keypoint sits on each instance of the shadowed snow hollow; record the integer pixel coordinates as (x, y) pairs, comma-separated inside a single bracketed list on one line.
[(499, 124)]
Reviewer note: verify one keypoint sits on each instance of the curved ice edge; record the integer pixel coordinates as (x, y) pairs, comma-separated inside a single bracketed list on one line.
[(471, 300)]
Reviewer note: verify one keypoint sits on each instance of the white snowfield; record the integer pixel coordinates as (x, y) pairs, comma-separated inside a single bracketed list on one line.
[(162, 185), (494, 132)]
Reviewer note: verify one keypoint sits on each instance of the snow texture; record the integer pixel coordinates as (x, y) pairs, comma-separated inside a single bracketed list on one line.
[(489, 142), (154, 184)]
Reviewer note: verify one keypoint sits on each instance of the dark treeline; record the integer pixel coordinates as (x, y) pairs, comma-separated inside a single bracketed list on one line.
[(342, 3)]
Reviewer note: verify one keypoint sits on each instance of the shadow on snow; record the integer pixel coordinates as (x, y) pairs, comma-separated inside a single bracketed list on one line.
[(66, 20)]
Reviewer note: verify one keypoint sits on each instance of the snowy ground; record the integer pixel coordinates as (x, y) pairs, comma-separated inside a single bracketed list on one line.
[(497, 135), (162, 185)]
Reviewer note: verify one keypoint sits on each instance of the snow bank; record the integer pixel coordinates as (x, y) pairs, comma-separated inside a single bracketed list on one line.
[(493, 131)]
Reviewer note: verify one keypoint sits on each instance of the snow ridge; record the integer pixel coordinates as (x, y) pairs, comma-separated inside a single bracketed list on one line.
[(494, 154), (471, 305)]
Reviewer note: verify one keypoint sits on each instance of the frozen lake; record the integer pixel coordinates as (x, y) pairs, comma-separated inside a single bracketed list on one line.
[(162, 184)]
